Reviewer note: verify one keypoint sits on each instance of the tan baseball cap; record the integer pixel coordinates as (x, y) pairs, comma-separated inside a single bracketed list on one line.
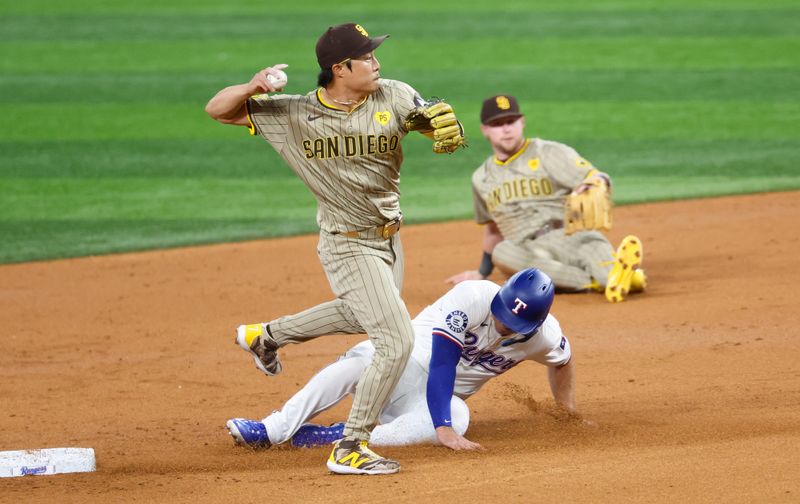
[(342, 42), (499, 107)]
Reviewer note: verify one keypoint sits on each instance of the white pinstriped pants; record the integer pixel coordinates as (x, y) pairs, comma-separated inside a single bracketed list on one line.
[(404, 421), (366, 276), (572, 261)]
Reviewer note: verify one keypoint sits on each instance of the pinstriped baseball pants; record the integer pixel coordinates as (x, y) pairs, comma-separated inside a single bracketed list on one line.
[(572, 261), (366, 276)]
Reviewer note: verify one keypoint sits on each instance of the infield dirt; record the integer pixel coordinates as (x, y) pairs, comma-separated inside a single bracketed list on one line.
[(694, 386)]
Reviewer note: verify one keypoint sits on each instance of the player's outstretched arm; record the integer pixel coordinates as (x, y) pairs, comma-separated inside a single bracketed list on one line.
[(445, 355), (229, 105), (562, 384)]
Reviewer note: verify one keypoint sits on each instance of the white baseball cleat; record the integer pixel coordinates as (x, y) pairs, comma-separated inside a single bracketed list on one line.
[(255, 338)]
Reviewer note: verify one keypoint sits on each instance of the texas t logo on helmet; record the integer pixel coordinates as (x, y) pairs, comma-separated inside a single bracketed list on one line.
[(520, 305)]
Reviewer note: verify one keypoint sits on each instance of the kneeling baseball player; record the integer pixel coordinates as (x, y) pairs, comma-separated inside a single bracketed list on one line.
[(473, 333), (544, 206)]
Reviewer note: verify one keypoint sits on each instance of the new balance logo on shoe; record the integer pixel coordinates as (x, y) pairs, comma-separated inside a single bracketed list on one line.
[(354, 457)]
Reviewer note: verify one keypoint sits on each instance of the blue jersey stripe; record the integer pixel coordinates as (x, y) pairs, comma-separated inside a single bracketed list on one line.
[(447, 335)]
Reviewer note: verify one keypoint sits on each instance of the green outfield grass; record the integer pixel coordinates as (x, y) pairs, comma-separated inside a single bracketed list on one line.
[(105, 147)]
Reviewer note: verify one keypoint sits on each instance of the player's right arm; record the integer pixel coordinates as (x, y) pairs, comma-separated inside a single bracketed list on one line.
[(229, 106), (555, 351), (562, 385), (445, 354), (463, 308)]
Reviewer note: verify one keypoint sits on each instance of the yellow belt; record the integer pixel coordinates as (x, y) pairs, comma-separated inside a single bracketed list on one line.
[(386, 231)]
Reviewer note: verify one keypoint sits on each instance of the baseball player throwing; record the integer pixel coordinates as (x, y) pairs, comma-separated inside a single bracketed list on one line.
[(343, 141), (520, 194), (473, 333)]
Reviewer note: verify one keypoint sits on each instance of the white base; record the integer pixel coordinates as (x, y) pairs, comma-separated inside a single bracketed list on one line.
[(46, 461)]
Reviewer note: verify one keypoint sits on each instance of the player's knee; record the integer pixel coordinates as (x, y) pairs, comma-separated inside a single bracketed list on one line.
[(408, 341), (404, 340), (394, 347), (398, 357), (504, 257), (541, 253), (459, 413)]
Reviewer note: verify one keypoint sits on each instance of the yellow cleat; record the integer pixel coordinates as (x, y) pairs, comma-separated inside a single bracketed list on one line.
[(256, 339), (594, 286), (627, 260), (354, 457), (639, 281)]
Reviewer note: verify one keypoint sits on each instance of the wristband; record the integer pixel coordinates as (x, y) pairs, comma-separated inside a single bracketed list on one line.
[(486, 265)]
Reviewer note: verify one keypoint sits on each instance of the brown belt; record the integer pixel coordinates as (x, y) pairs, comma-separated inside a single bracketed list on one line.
[(386, 231), (549, 226)]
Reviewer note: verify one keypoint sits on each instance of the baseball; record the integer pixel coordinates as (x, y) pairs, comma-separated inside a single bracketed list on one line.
[(279, 81)]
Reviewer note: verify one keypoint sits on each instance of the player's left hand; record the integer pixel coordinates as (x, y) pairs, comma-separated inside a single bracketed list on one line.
[(436, 119), (588, 207), (455, 441), (592, 181)]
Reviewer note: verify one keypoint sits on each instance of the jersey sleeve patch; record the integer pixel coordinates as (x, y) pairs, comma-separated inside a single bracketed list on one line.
[(582, 163), (457, 321), (561, 355), (383, 117)]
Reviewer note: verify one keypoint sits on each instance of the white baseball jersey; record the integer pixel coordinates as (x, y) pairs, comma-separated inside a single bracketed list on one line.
[(464, 316)]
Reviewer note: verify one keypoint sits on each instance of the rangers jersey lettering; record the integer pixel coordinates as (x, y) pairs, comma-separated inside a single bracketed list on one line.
[(463, 317), (473, 355)]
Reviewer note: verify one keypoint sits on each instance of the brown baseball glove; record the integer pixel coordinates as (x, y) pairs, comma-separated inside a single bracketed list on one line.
[(435, 119), (589, 208)]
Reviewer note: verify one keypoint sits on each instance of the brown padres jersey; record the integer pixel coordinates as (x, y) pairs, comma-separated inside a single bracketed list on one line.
[(349, 161), (527, 191)]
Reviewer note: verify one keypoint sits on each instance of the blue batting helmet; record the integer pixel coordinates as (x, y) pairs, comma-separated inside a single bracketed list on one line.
[(524, 301)]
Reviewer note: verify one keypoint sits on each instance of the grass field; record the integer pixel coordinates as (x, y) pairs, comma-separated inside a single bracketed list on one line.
[(104, 144)]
